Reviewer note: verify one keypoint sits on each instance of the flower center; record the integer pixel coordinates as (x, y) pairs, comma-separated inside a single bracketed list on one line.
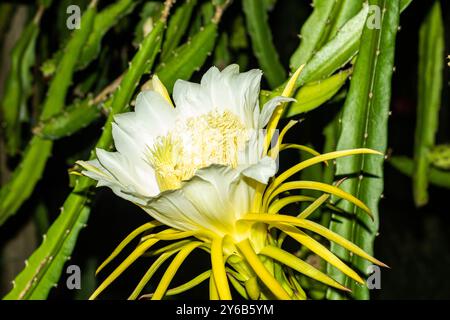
[(212, 138)]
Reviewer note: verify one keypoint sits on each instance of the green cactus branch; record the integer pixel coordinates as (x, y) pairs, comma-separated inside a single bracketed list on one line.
[(261, 36), (29, 171), (177, 27), (18, 84)]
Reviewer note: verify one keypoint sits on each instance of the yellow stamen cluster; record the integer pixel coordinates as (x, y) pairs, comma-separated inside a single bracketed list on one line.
[(212, 138)]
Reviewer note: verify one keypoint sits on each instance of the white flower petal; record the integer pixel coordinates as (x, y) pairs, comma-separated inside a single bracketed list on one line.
[(116, 164), (127, 144), (216, 211), (210, 76), (190, 99), (206, 201), (220, 91), (234, 91), (142, 138), (234, 189), (122, 193), (172, 209), (262, 171), (94, 170), (245, 87), (134, 179), (242, 193), (232, 69), (217, 195)]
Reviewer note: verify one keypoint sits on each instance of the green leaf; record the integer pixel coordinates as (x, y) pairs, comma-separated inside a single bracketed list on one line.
[(364, 122), (431, 62)]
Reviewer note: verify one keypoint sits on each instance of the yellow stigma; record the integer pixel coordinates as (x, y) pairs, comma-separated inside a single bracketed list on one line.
[(197, 142)]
